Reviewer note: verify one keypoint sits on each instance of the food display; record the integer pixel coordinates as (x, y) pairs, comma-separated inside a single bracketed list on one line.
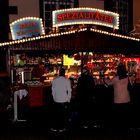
[(100, 65)]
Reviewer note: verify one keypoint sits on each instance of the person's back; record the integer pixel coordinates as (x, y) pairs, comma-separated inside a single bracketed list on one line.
[(85, 87), (121, 108), (85, 93), (61, 89), (61, 92), (121, 86)]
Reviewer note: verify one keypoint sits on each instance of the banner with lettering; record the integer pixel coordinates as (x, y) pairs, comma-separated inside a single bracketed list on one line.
[(94, 16), (26, 27)]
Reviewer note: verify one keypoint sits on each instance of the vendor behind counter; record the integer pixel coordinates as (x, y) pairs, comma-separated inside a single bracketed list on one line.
[(22, 60), (38, 71)]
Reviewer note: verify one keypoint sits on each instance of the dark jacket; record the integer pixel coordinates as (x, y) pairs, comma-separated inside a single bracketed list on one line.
[(85, 88)]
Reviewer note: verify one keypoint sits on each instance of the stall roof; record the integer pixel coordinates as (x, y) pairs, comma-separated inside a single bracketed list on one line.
[(85, 39)]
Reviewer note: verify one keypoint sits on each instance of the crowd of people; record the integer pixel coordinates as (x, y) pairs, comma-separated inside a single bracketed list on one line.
[(82, 100), (119, 115)]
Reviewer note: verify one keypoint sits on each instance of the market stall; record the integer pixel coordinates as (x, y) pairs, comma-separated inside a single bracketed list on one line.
[(74, 48)]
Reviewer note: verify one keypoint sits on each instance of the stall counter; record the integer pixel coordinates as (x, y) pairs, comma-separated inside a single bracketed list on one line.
[(37, 95)]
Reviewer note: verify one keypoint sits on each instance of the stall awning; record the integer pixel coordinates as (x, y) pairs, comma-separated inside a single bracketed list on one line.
[(80, 40)]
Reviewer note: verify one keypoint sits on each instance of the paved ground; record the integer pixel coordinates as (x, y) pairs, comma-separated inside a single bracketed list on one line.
[(39, 130), (25, 132), (37, 127)]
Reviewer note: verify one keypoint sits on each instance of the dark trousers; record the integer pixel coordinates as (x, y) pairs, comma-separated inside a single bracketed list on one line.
[(135, 116), (85, 112), (60, 115), (121, 115)]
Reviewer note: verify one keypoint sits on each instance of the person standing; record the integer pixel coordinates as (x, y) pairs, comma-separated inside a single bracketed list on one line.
[(38, 71), (61, 92), (22, 60), (121, 107), (85, 95)]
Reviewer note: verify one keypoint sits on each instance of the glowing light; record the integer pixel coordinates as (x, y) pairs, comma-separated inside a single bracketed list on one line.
[(26, 27), (86, 15), (66, 33)]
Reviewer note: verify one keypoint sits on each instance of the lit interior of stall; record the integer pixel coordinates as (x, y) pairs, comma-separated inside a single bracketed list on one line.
[(133, 66), (100, 65)]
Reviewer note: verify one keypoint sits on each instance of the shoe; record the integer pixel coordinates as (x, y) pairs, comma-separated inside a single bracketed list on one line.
[(85, 126), (62, 130), (53, 130), (96, 126)]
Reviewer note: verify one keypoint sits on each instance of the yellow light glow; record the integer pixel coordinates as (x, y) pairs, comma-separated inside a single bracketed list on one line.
[(67, 61)]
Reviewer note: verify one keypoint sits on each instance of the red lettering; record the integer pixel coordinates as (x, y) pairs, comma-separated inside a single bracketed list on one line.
[(63, 16), (97, 16), (102, 17), (59, 18), (105, 18), (74, 15), (92, 15), (21, 26), (36, 30), (110, 20), (27, 25), (81, 15), (87, 15), (70, 15), (67, 16)]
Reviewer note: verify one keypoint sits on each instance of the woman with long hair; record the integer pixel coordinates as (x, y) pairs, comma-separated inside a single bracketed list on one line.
[(121, 108)]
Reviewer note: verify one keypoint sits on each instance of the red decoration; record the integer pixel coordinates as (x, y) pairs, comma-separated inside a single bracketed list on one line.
[(90, 65), (35, 96)]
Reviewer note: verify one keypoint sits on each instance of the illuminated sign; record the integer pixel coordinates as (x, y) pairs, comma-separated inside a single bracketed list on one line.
[(26, 27), (67, 61), (85, 16)]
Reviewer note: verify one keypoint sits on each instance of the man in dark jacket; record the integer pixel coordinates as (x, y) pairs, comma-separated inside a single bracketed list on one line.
[(85, 95)]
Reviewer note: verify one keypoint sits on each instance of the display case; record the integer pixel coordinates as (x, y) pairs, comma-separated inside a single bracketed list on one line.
[(31, 60)]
